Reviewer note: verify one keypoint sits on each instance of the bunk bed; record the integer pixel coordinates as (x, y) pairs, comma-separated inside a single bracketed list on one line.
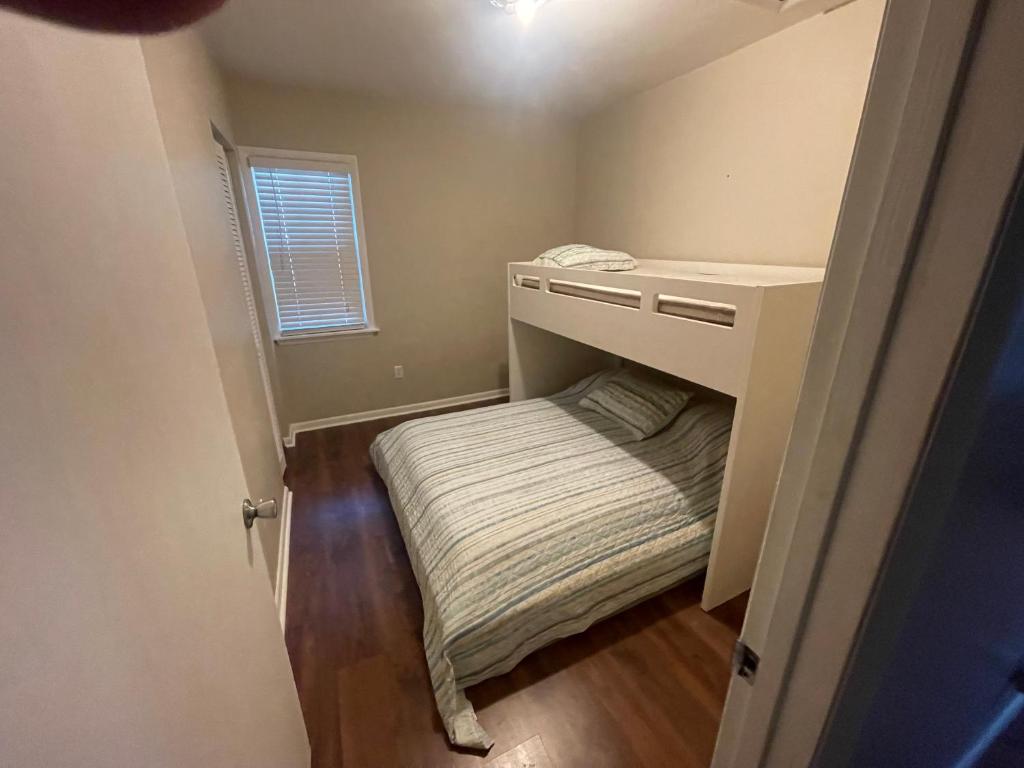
[(527, 522), (738, 329)]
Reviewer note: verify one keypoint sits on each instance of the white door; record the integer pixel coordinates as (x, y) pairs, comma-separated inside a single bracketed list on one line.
[(136, 629), (936, 160)]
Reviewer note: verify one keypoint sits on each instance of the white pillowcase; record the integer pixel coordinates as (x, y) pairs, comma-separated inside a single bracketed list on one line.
[(577, 256)]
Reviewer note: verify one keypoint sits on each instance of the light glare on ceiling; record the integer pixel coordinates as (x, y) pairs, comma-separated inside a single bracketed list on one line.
[(527, 9), (524, 10)]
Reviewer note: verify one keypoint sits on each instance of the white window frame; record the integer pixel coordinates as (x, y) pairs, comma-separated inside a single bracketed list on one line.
[(327, 161)]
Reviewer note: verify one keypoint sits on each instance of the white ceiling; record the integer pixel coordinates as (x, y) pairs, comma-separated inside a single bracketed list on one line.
[(576, 55)]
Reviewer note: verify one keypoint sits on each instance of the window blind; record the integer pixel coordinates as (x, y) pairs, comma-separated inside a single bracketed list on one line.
[(308, 218)]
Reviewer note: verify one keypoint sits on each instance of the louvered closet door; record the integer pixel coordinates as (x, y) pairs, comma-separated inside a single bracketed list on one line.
[(309, 222), (231, 212)]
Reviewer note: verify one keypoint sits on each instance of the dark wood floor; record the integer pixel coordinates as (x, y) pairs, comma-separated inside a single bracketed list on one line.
[(644, 688)]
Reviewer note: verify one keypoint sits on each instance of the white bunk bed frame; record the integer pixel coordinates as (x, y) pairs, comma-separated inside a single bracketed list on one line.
[(740, 329)]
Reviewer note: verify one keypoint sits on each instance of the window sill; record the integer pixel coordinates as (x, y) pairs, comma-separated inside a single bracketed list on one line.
[(306, 338)]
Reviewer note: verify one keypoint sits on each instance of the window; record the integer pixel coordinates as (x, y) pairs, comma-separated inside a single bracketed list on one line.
[(307, 220)]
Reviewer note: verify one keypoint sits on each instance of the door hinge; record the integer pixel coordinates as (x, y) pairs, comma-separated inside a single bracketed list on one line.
[(744, 661)]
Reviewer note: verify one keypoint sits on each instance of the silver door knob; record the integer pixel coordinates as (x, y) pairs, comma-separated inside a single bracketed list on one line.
[(265, 509)]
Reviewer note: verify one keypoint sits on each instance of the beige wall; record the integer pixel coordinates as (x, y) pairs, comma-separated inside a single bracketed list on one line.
[(449, 196), (188, 95), (743, 160)]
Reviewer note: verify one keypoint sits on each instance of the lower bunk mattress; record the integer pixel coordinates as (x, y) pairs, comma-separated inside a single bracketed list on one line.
[(527, 522)]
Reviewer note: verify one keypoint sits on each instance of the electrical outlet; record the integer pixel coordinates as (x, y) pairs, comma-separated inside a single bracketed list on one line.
[(399, 372)]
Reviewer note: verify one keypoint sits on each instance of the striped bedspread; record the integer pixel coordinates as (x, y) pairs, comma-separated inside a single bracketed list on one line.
[(527, 522)]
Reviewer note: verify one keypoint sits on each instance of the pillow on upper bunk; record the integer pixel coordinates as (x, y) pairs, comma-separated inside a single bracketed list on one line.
[(641, 402), (578, 256)]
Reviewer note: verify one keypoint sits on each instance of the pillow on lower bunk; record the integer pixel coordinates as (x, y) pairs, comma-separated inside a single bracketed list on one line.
[(578, 256), (641, 402)]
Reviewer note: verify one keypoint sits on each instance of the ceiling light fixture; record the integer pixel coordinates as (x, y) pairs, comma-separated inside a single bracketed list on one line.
[(524, 10)]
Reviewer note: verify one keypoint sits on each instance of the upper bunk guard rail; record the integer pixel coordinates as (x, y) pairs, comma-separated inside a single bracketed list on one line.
[(646, 318), (676, 306)]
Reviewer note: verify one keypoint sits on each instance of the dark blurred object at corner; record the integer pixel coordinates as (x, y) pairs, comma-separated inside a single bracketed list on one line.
[(128, 16)]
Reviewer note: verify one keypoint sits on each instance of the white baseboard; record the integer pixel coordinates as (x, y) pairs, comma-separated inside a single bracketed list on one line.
[(283, 555), (383, 413)]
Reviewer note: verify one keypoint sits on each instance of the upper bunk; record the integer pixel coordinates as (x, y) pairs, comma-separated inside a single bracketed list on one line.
[(700, 321)]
